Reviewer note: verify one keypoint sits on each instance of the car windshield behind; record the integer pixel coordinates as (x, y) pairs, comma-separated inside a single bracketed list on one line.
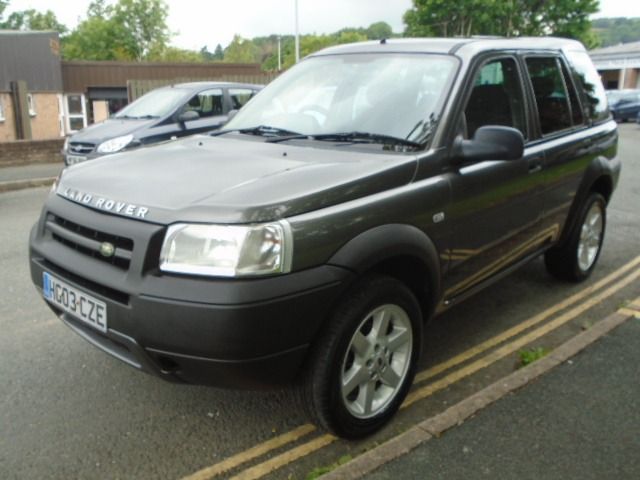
[(617, 96), (397, 95), (156, 103)]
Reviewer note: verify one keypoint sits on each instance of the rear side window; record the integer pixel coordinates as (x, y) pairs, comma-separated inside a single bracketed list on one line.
[(576, 110), (589, 81), (240, 96), (496, 98), (551, 94)]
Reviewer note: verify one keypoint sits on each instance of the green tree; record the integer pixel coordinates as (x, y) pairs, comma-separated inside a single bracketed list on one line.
[(128, 30), (566, 18), (241, 50), (175, 54), (378, 31), (94, 39), (3, 6), (142, 26), (33, 20), (612, 31), (218, 53)]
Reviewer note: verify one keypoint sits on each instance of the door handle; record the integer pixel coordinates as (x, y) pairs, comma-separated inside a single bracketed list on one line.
[(535, 167)]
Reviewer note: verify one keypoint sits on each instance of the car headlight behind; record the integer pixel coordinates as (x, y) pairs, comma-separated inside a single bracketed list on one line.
[(115, 144), (227, 250)]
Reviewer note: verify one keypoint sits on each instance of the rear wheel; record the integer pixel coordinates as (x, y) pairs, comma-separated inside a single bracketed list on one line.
[(577, 258), (363, 365)]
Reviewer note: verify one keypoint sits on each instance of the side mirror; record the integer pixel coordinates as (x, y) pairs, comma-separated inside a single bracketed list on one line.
[(490, 143), (188, 116)]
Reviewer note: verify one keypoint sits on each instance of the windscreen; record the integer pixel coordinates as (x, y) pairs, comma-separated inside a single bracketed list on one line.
[(156, 103), (399, 95)]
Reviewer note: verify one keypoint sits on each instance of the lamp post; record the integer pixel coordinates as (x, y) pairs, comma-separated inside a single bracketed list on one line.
[(279, 53), (297, 35)]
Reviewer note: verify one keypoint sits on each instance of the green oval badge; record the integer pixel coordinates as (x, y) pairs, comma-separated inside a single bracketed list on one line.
[(107, 249)]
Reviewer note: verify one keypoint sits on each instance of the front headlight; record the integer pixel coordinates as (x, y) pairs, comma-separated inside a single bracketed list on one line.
[(227, 250), (115, 144)]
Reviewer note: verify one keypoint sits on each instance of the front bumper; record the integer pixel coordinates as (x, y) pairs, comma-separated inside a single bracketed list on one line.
[(224, 332)]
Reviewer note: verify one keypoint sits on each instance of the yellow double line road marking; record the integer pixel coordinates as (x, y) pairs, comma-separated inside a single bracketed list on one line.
[(632, 309), (596, 296), (255, 452), (521, 327), (517, 344)]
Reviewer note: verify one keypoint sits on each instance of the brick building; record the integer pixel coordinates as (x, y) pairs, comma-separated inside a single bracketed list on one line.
[(31, 91), (43, 97), (619, 65)]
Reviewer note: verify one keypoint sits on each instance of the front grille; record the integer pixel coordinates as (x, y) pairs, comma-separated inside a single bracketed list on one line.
[(81, 148), (89, 241)]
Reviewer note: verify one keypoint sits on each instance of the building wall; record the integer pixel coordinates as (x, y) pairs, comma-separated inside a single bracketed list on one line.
[(631, 78), (7, 126), (45, 124)]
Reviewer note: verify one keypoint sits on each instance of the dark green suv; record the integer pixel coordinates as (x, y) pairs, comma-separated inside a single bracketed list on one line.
[(364, 190)]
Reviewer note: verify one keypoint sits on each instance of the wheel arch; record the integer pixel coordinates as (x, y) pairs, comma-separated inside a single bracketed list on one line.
[(398, 250), (601, 176)]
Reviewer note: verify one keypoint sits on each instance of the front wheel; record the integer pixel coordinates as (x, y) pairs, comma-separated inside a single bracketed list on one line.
[(364, 363), (576, 259)]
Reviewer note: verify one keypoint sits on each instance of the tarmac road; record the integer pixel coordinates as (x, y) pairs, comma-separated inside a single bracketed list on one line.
[(70, 411)]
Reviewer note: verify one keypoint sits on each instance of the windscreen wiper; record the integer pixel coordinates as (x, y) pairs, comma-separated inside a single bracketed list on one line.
[(356, 137), (260, 130), (366, 137)]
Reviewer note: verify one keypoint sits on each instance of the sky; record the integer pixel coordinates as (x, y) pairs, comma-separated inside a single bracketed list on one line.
[(198, 23)]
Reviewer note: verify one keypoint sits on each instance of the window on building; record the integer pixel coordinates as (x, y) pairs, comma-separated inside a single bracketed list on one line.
[(76, 112), (1, 110), (31, 103)]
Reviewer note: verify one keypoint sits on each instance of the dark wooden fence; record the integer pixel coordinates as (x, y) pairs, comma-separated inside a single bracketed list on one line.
[(137, 88)]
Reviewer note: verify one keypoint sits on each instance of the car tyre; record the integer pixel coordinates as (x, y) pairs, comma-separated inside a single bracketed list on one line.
[(363, 365), (577, 257)]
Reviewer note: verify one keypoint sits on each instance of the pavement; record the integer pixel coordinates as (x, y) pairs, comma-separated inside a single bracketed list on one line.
[(26, 176), (580, 420)]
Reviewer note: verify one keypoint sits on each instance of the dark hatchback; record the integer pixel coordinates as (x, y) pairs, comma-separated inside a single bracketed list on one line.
[(624, 104), (366, 189), (162, 114)]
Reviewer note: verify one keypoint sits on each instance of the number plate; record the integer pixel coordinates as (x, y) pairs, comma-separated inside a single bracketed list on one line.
[(72, 159), (82, 306)]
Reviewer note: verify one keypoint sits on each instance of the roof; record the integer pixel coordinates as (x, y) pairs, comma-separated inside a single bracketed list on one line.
[(33, 57), (625, 55), (199, 85), (452, 45), (622, 48)]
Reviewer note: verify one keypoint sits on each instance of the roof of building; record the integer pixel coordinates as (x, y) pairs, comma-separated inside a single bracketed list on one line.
[(622, 48), (625, 55)]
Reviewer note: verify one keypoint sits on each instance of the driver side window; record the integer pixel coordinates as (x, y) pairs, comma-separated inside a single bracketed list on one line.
[(496, 98)]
